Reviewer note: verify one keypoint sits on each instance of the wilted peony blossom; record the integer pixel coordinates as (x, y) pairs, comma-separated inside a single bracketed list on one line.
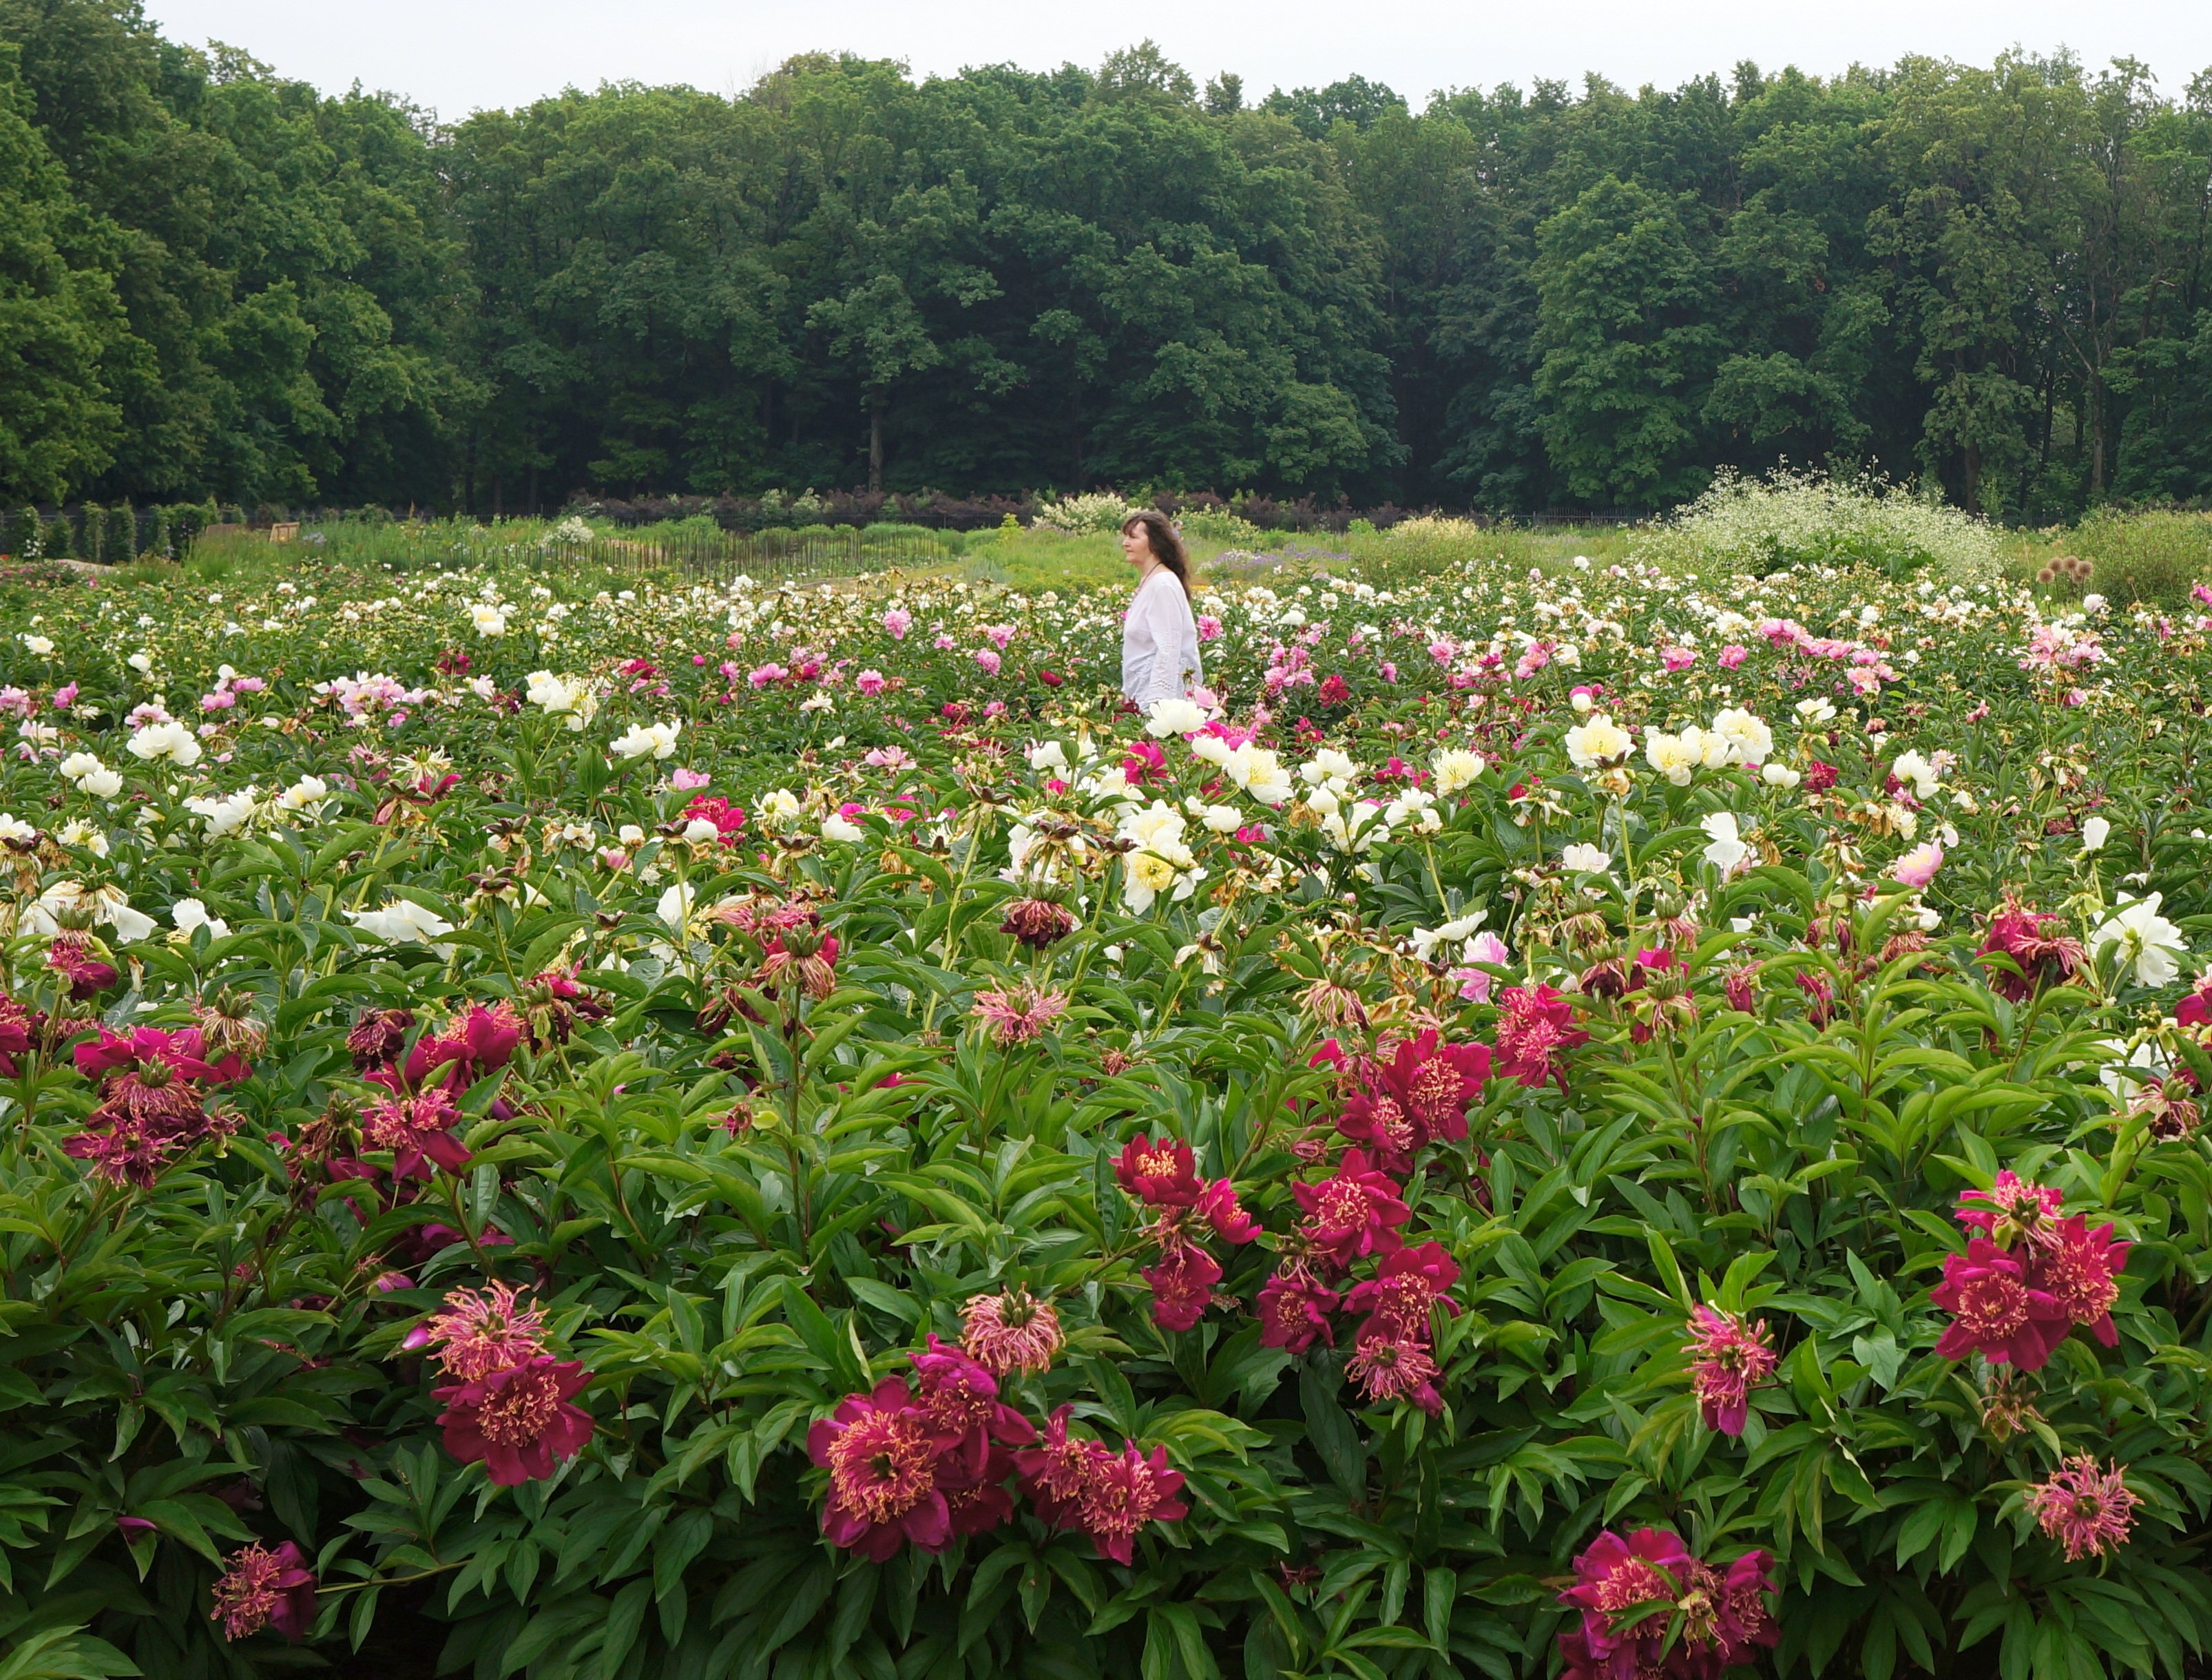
[(1010, 1332), (2085, 1508), (1728, 1360), (262, 1587)]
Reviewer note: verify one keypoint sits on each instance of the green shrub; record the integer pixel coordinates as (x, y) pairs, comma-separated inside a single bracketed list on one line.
[(1219, 525)]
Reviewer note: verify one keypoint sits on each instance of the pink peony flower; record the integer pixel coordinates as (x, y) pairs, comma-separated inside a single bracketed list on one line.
[(1391, 1366), (1293, 1310), (2011, 1210), (1123, 1492), (1535, 1025), (519, 1420), (1161, 1172), (1019, 1014), (1183, 1287), (2080, 1268), (1917, 867), (2018, 934), (960, 1399), (1733, 655), (1997, 1315), (898, 621), (1409, 1281), (1056, 1471), (988, 658), (685, 780), (883, 1465), (1650, 1608), (1218, 1204), (1421, 1094), (1354, 1213)]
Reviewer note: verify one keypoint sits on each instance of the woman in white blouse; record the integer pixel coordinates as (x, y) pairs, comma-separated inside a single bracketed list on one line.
[(1159, 636)]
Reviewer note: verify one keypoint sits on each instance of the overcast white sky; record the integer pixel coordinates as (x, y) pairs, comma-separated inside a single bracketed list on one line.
[(457, 56)]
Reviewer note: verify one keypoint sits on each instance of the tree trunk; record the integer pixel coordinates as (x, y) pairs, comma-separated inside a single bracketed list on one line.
[(876, 447), (2096, 407)]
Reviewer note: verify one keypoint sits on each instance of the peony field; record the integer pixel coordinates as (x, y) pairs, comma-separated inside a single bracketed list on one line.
[(1635, 1116)]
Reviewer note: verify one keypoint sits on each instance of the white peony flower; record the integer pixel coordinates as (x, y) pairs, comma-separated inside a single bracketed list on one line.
[(836, 827), (1673, 756), (1217, 818), (1726, 850), (1045, 756), (1597, 743), (2141, 936), (77, 766), (1915, 772), (1750, 741), (402, 922), (1175, 715), (569, 698), (304, 797), (1779, 775), (190, 913), (225, 814), (14, 829), (640, 739), (1425, 940), (489, 619), (1260, 772), (40, 645), (170, 740), (2095, 831), (107, 905), (1585, 859), (1455, 768)]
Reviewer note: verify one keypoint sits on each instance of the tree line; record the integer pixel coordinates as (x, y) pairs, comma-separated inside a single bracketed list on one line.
[(216, 283)]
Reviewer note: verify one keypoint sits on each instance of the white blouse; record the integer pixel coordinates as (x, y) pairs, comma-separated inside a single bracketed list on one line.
[(1159, 641)]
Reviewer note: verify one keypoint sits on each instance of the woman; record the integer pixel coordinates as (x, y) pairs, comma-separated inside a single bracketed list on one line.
[(1159, 636)]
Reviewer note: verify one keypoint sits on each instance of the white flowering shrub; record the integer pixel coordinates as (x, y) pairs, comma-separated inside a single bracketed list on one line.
[(1759, 525), (1101, 510)]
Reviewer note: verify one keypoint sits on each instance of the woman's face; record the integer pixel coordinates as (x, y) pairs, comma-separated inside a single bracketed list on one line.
[(1137, 546)]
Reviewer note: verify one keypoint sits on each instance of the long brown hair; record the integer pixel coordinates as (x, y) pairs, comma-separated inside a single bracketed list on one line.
[(1166, 542)]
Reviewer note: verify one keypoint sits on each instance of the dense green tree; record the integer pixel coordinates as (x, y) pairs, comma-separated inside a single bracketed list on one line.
[(215, 283), (59, 316)]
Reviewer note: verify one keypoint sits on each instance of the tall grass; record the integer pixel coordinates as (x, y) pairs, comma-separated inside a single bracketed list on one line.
[(2154, 556)]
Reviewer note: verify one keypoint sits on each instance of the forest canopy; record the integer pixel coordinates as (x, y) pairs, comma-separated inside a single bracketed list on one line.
[(217, 282)]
